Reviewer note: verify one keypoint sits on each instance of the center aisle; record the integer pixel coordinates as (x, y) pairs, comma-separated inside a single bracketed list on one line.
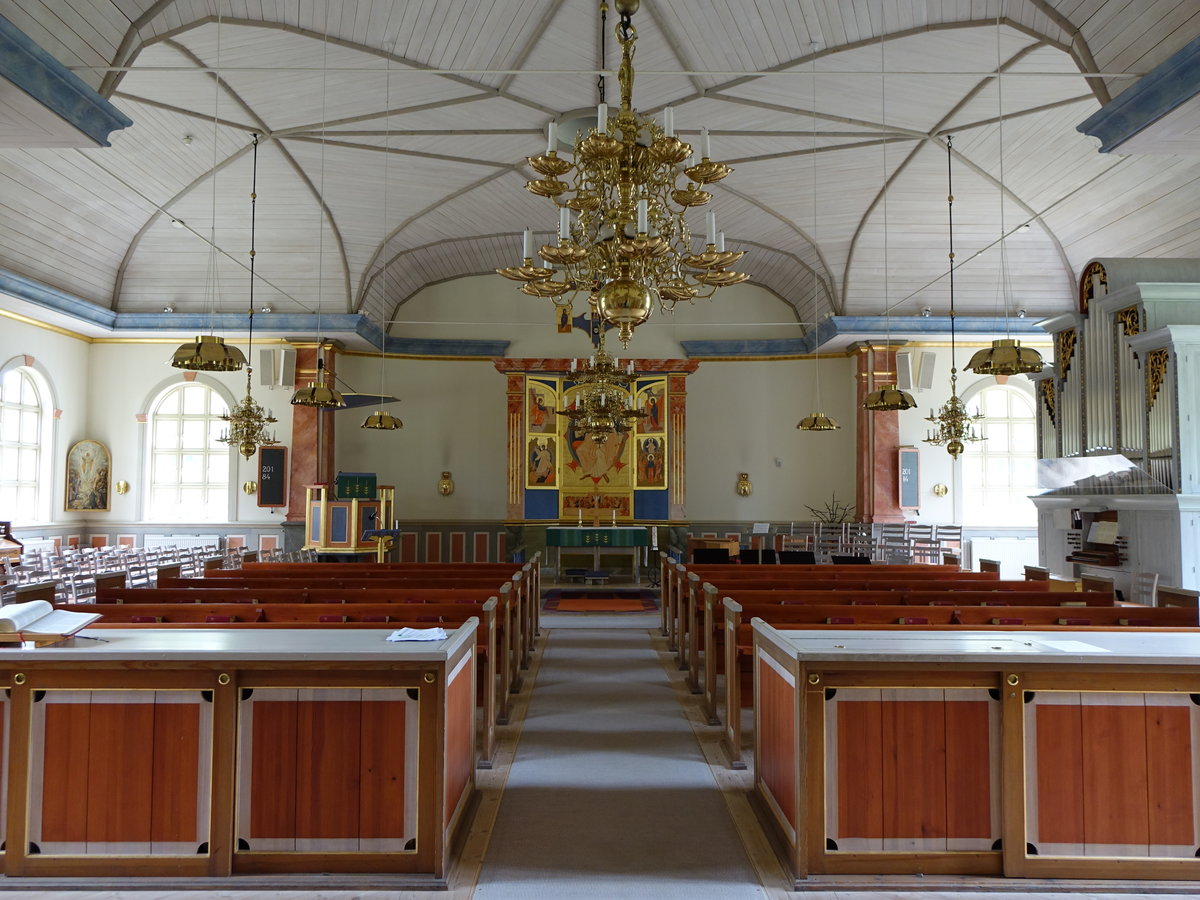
[(609, 795)]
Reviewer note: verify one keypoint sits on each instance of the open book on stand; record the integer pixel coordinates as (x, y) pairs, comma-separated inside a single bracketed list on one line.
[(38, 621)]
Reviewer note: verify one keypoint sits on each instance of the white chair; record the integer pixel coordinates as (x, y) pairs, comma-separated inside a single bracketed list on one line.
[(1144, 588)]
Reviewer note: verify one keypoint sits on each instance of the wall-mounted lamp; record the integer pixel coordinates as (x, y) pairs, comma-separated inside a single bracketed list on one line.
[(250, 487), (744, 487), (446, 485), (121, 487)]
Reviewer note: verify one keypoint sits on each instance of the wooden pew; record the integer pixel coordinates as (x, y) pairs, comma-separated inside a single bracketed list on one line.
[(495, 660), (214, 594), (1068, 620), (705, 625)]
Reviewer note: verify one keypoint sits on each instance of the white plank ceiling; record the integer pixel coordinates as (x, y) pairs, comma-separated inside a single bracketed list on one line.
[(394, 134)]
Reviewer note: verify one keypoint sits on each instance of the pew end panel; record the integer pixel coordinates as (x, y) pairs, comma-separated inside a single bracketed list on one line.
[(978, 753), (280, 752)]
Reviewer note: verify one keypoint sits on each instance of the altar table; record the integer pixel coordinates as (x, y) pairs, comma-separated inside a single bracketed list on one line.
[(606, 539)]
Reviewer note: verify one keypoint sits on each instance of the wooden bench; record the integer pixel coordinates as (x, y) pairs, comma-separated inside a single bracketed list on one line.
[(495, 663), (1070, 620)]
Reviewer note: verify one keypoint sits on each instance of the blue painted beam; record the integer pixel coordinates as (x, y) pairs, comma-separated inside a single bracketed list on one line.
[(56, 87), (1166, 87)]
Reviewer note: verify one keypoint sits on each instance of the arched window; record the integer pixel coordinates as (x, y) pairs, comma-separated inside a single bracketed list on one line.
[(189, 467), (24, 448), (999, 474)]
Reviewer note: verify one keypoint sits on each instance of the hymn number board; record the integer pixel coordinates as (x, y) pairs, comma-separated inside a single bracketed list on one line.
[(272, 476), (910, 478)]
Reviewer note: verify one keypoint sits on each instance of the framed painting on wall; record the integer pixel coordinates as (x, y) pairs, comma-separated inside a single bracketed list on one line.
[(88, 465)]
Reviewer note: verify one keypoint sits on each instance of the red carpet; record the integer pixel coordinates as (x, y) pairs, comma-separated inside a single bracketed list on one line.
[(597, 602)]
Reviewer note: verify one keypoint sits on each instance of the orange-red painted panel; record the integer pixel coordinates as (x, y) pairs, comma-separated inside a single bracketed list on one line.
[(458, 546), (382, 765), (968, 770), (481, 546), (1169, 776), (1059, 774), (860, 769), (273, 771), (65, 781), (119, 776), (433, 547), (1114, 775), (327, 772), (914, 772), (176, 764), (408, 546), (777, 743), (460, 712)]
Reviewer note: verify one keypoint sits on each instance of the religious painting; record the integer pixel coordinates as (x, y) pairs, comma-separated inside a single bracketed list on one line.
[(563, 315), (651, 400), (600, 507), (541, 400), (88, 464), (651, 462), (542, 462), (592, 464)]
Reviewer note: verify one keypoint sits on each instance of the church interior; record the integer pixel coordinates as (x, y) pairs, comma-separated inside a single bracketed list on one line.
[(785, 413)]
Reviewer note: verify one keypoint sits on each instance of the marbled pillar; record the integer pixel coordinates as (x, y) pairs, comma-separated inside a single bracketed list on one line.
[(312, 433), (877, 477), (676, 482), (515, 487)]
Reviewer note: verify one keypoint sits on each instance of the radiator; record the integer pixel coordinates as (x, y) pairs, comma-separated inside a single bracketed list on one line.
[(182, 541), (1013, 554)]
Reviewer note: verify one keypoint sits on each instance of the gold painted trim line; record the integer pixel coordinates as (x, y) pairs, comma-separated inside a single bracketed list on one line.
[(46, 326)]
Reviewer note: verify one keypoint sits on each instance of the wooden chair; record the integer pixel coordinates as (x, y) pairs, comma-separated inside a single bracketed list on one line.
[(1173, 596)]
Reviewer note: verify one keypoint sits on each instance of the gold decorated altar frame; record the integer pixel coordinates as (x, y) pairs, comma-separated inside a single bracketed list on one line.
[(553, 475)]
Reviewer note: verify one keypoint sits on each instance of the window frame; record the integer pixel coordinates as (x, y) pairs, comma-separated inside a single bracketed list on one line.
[(43, 485), (972, 398), (149, 451)]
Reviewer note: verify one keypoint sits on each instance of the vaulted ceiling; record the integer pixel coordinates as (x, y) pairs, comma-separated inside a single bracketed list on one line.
[(394, 135)]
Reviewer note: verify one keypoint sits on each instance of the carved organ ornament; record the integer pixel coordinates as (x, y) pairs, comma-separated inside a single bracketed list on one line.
[(1156, 374)]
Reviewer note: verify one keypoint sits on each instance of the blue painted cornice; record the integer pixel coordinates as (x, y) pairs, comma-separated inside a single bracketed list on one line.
[(865, 328), (56, 87), (296, 326), (1167, 86)]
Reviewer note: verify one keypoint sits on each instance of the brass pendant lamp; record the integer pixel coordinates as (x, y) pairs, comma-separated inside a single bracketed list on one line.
[(889, 397), (816, 421), (248, 422), (1006, 356), (954, 427)]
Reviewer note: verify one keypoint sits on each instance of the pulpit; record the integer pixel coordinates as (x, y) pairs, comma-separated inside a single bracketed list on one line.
[(349, 525)]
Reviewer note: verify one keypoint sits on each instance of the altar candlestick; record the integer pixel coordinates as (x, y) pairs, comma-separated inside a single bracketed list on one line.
[(705, 144), (551, 137), (720, 242), (711, 222), (602, 118), (527, 243), (564, 223), (669, 122), (642, 216)]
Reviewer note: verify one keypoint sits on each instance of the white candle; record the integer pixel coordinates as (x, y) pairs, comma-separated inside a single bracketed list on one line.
[(581, 515), (653, 537), (629, 368), (603, 398), (705, 144), (527, 245), (643, 214), (564, 223), (669, 122), (551, 137), (602, 118), (592, 360), (616, 362), (614, 512), (720, 242), (711, 235), (573, 363)]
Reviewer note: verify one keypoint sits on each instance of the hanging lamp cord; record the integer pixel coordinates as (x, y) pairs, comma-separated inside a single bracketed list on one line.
[(603, 49), (253, 209), (950, 219)]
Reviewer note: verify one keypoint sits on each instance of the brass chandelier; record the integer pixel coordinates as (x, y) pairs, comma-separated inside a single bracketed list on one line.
[(952, 424), (629, 249), (248, 421), (603, 402)]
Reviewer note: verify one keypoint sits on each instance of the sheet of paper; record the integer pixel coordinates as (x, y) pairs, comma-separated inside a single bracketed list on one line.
[(418, 634)]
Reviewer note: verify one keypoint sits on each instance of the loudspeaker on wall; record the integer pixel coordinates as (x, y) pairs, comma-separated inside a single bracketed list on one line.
[(904, 370), (925, 375), (277, 367)]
